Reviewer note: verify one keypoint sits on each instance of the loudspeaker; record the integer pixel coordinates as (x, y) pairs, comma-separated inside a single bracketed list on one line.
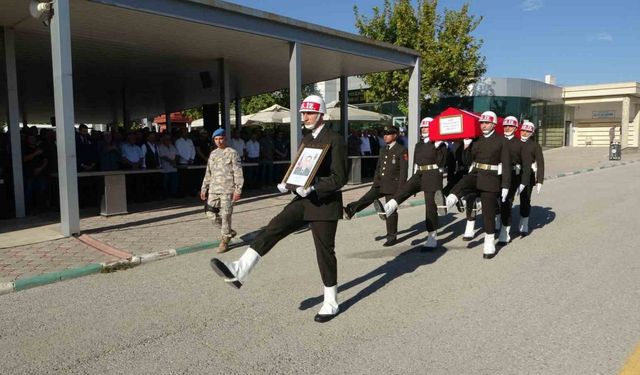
[(205, 78)]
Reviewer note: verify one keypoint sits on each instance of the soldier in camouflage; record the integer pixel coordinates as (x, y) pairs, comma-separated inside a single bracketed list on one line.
[(221, 186)]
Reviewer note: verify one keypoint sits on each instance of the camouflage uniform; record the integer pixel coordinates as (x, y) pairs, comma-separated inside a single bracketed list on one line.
[(222, 179)]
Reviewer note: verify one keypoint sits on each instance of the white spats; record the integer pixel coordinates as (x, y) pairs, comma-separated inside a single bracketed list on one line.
[(432, 241), (489, 246), (524, 225), (469, 231), (242, 267), (330, 304), (504, 237), (451, 201)]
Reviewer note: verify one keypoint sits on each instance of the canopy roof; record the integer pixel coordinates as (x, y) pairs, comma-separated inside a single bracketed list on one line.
[(152, 53)]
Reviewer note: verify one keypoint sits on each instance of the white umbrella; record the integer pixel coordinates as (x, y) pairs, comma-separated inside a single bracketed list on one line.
[(276, 114), (354, 114)]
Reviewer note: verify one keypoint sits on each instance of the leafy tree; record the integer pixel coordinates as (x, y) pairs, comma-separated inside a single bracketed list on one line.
[(450, 54)]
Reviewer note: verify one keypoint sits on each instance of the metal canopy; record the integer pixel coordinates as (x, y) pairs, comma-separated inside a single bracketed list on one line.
[(151, 53)]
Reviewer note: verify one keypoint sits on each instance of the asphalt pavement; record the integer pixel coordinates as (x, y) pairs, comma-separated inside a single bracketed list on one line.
[(563, 300)]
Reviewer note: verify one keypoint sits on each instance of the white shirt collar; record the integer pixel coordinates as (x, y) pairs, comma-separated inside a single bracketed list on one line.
[(490, 134), (390, 145), (509, 137), (316, 131), (425, 139)]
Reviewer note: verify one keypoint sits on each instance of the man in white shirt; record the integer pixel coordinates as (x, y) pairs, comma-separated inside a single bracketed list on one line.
[(132, 156), (237, 144), (365, 146), (168, 156), (253, 156), (185, 147)]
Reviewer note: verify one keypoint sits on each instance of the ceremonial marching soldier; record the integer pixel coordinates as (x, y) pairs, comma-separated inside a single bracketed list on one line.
[(319, 206), (458, 169), (488, 155), (221, 186), (430, 160), (391, 172), (532, 173), (510, 125)]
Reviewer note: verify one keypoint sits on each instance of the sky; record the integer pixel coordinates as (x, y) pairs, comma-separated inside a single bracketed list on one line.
[(577, 41)]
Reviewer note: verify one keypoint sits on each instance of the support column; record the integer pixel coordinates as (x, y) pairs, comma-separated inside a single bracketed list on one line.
[(344, 106), (65, 133), (295, 95), (238, 113), (167, 116), (14, 120), (624, 122), (414, 111), (225, 97)]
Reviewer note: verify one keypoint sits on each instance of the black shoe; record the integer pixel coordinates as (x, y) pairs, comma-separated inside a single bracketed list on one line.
[(322, 318), (501, 243), (223, 271), (379, 209), (390, 242), (488, 256), (467, 238), (348, 212)]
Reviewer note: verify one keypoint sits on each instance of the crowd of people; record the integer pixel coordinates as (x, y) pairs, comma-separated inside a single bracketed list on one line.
[(168, 152)]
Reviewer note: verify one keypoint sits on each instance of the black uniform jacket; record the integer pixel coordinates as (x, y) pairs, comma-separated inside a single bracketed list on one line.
[(325, 203), (491, 150), (429, 181), (391, 171), (532, 153), (515, 151)]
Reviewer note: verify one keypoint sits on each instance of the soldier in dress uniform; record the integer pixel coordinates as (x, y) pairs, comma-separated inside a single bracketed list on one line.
[(430, 160), (221, 186), (487, 155), (532, 173), (510, 125), (319, 206), (458, 168), (391, 172)]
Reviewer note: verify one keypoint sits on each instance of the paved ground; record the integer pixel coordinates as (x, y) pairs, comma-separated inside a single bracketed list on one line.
[(563, 300), (176, 223)]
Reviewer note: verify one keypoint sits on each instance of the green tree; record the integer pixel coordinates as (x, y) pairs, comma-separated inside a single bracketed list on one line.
[(450, 54)]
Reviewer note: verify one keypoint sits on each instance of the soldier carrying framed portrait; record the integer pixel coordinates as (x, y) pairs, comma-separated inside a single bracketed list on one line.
[(303, 169)]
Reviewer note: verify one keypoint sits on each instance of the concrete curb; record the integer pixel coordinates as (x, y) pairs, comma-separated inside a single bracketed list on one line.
[(93, 268)]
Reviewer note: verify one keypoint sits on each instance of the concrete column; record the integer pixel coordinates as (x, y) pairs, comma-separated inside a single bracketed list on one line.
[(414, 111), (65, 133), (225, 97), (167, 115), (624, 122), (14, 120), (295, 95), (344, 106), (635, 124), (238, 113)]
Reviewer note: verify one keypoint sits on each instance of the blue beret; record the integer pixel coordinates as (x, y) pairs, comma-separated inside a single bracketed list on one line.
[(218, 132)]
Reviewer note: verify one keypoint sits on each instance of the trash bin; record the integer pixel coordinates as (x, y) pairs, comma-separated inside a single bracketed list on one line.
[(615, 152)]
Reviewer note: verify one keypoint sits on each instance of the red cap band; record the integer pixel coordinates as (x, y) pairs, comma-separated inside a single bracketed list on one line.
[(310, 106)]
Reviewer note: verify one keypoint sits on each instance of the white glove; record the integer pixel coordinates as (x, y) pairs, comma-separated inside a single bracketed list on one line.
[(504, 194), (538, 187), (282, 187), (415, 168), (467, 142), (437, 143), (390, 207), (301, 191), (520, 189)]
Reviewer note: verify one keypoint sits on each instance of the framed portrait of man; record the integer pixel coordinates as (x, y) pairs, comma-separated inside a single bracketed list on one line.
[(303, 168)]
